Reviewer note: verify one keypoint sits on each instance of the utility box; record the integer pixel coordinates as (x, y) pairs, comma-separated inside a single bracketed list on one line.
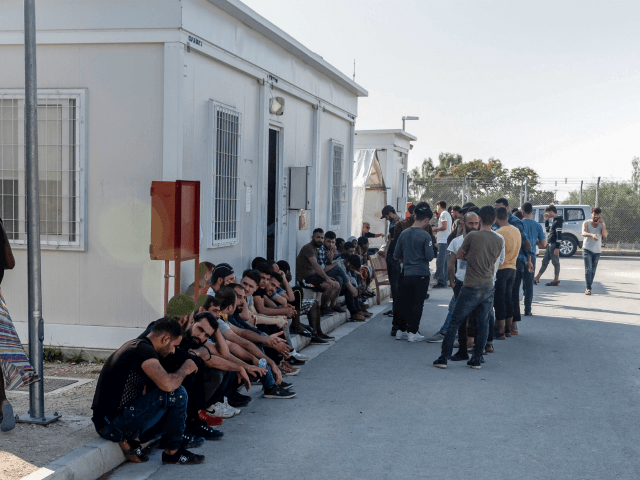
[(298, 199)]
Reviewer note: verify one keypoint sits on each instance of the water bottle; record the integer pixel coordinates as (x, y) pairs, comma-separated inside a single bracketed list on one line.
[(262, 363)]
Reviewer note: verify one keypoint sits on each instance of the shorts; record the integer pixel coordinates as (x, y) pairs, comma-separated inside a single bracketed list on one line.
[(313, 281)]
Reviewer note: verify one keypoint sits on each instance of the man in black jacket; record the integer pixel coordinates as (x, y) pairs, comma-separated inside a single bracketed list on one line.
[(554, 237)]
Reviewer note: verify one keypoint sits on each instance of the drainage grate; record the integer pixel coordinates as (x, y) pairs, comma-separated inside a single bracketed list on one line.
[(57, 384)]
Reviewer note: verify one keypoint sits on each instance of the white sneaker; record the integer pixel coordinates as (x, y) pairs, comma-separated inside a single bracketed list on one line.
[(223, 410), (298, 356), (415, 337), (400, 335)]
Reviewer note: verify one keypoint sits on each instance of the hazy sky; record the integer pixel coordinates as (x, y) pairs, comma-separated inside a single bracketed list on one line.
[(554, 85)]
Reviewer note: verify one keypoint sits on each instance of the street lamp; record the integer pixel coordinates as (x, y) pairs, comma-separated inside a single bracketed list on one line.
[(408, 118)]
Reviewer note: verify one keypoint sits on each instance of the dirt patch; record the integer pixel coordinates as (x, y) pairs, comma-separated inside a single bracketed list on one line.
[(29, 447)]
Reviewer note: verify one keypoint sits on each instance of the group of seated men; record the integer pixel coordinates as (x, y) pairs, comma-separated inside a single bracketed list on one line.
[(181, 377)]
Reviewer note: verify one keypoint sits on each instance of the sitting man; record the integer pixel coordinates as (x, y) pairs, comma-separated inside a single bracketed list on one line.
[(221, 276), (351, 266), (309, 273), (123, 409), (205, 270)]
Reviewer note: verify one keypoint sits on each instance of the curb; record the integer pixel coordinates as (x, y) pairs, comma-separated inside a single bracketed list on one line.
[(620, 253), (100, 456)]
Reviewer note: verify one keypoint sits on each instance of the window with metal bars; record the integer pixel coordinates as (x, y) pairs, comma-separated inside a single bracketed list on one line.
[(60, 160), (225, 152), (337, 156)]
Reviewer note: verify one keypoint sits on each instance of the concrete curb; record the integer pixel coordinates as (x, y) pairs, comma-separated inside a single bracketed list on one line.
[(620, 253), (100, 456)]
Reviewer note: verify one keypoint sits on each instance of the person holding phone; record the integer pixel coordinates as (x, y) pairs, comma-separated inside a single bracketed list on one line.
[(593, 231), (15, 369)]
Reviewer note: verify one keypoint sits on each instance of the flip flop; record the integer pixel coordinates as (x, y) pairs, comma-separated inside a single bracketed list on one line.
[(8, 419)]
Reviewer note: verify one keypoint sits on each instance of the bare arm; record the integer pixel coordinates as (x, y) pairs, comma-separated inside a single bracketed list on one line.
[(442, 228), (167, 382), (255, 351), (290, 297), (585, 230), (451, 269), (262, 306), (605, 232), (318, 269)]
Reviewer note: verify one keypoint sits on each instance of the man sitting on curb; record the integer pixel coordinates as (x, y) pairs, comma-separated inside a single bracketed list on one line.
[(222, 275), (205, 271), (123, 412)]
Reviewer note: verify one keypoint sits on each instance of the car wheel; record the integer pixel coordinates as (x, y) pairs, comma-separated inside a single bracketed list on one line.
[(568, 246)]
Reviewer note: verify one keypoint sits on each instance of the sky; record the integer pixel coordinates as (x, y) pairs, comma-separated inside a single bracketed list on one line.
[(553, 85)]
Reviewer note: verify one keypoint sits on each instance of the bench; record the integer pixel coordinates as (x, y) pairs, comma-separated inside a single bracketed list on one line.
[(380, 275)]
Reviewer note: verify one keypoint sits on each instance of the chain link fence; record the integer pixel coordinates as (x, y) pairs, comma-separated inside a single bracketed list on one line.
[(619, 200)]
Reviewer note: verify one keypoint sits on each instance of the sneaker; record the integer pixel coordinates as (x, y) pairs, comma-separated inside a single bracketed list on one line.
[(528, 314), (587, 291), (415, 337), (474, 363), (400, 335), (286, 386), (223, 410), (388, 312), (329, 338), (441, 362), (277, 392), (488, 348), (439, 285), (327, 312), (205, 431), (191, 441), (237, 400), (211, 420), (318, 341), (394, 331), (287, 370), (298, 356), (182, 457), (437, 338), (460, 356), (294, 361), (338, 309)]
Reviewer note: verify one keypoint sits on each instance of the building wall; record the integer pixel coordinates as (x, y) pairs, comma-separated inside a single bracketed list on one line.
[(113, 283)]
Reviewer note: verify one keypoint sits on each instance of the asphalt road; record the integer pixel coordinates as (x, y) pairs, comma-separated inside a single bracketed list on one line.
[(560, 401)]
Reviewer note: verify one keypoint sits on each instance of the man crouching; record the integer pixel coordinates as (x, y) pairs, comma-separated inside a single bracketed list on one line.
[(135, 395)]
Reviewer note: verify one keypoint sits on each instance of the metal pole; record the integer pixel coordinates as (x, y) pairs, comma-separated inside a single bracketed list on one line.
[(464, 186), (597, 193), (581, 182), (520, 197), (403, 125), (36, 324), (526, 189)]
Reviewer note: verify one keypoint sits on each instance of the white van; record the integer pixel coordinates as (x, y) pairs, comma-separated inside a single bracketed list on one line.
[(574, 216)]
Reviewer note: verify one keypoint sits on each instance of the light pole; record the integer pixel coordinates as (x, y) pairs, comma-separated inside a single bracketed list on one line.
[(408, 118)]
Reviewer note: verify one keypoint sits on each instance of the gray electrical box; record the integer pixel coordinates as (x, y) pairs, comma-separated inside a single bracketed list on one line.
[(298, 188)]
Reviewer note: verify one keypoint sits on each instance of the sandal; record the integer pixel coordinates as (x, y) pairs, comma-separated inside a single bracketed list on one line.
[(134, 453), (7, 419), (499, 331), (587, 291), (514, 328), (553, 284)]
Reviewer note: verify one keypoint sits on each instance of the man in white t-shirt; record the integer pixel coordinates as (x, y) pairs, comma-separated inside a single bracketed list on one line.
[(442, 231)]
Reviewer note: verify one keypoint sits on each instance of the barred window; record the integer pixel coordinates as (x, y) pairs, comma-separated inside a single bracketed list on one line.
[(225, 151), (60, 160), (337, 156)]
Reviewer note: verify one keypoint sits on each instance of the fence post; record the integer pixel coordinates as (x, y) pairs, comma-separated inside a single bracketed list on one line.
[(581, 183), (526, 189), (598, 193), (464, 184), (520, 197)]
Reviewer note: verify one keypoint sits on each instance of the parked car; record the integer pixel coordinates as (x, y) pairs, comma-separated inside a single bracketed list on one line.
[(574, 216)]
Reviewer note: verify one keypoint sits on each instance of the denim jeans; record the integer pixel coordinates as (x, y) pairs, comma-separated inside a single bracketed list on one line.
[(442, 263), (452, 303), (590, 264), (393, 270), (469, 299), (145, 412), (528, 286), (412, 296), (521, 266), (503, 293), (550, 257), (339, 275)]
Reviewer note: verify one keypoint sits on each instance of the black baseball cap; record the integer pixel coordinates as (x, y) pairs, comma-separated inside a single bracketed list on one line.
[(387, 210), (465, 208), (222, 270)]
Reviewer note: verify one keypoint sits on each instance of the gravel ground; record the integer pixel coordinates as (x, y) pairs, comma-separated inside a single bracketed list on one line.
[(29, 447)]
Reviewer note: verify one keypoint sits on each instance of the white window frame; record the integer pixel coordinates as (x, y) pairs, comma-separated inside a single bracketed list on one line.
[(49, 242), (228, 182), (335, 190)]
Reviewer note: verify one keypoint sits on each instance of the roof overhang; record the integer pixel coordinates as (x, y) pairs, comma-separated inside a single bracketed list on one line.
[(399, 132), (261, 25)]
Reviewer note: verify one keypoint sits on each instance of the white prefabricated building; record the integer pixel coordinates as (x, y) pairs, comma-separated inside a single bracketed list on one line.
[(130, 93), (382, 163)]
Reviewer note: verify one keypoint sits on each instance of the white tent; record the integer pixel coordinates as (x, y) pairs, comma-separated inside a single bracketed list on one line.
[(369, 193)]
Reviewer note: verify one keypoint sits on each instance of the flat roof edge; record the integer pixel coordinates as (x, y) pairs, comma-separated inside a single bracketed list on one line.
[(398, 131)]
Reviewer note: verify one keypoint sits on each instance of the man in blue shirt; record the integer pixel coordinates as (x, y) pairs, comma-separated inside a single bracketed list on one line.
[(535, 234)]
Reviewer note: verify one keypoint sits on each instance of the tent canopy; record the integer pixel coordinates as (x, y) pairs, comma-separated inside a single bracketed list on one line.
[(367, 181)]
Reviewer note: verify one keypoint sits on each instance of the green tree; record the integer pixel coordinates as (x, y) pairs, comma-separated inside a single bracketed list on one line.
[(635, 176)]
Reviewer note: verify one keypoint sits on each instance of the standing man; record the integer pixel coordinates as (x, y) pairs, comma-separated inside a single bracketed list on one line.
[(366, 231), (415, 250), (554, 237), (503, 297), (442, 231), (593, 232), (480, 250), (393, 266), (535, 235)]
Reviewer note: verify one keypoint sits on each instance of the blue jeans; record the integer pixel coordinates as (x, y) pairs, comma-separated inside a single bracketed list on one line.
[(445, 325), (528, 286), (442, 262), (590, 264), (147, 411), (469, 299), (339, 275)]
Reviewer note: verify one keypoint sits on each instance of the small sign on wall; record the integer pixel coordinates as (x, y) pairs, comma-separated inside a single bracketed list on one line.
[(303, 221)]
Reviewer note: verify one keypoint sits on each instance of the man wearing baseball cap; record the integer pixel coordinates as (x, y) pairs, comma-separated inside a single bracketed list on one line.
[(222, 275), (393, 266)]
